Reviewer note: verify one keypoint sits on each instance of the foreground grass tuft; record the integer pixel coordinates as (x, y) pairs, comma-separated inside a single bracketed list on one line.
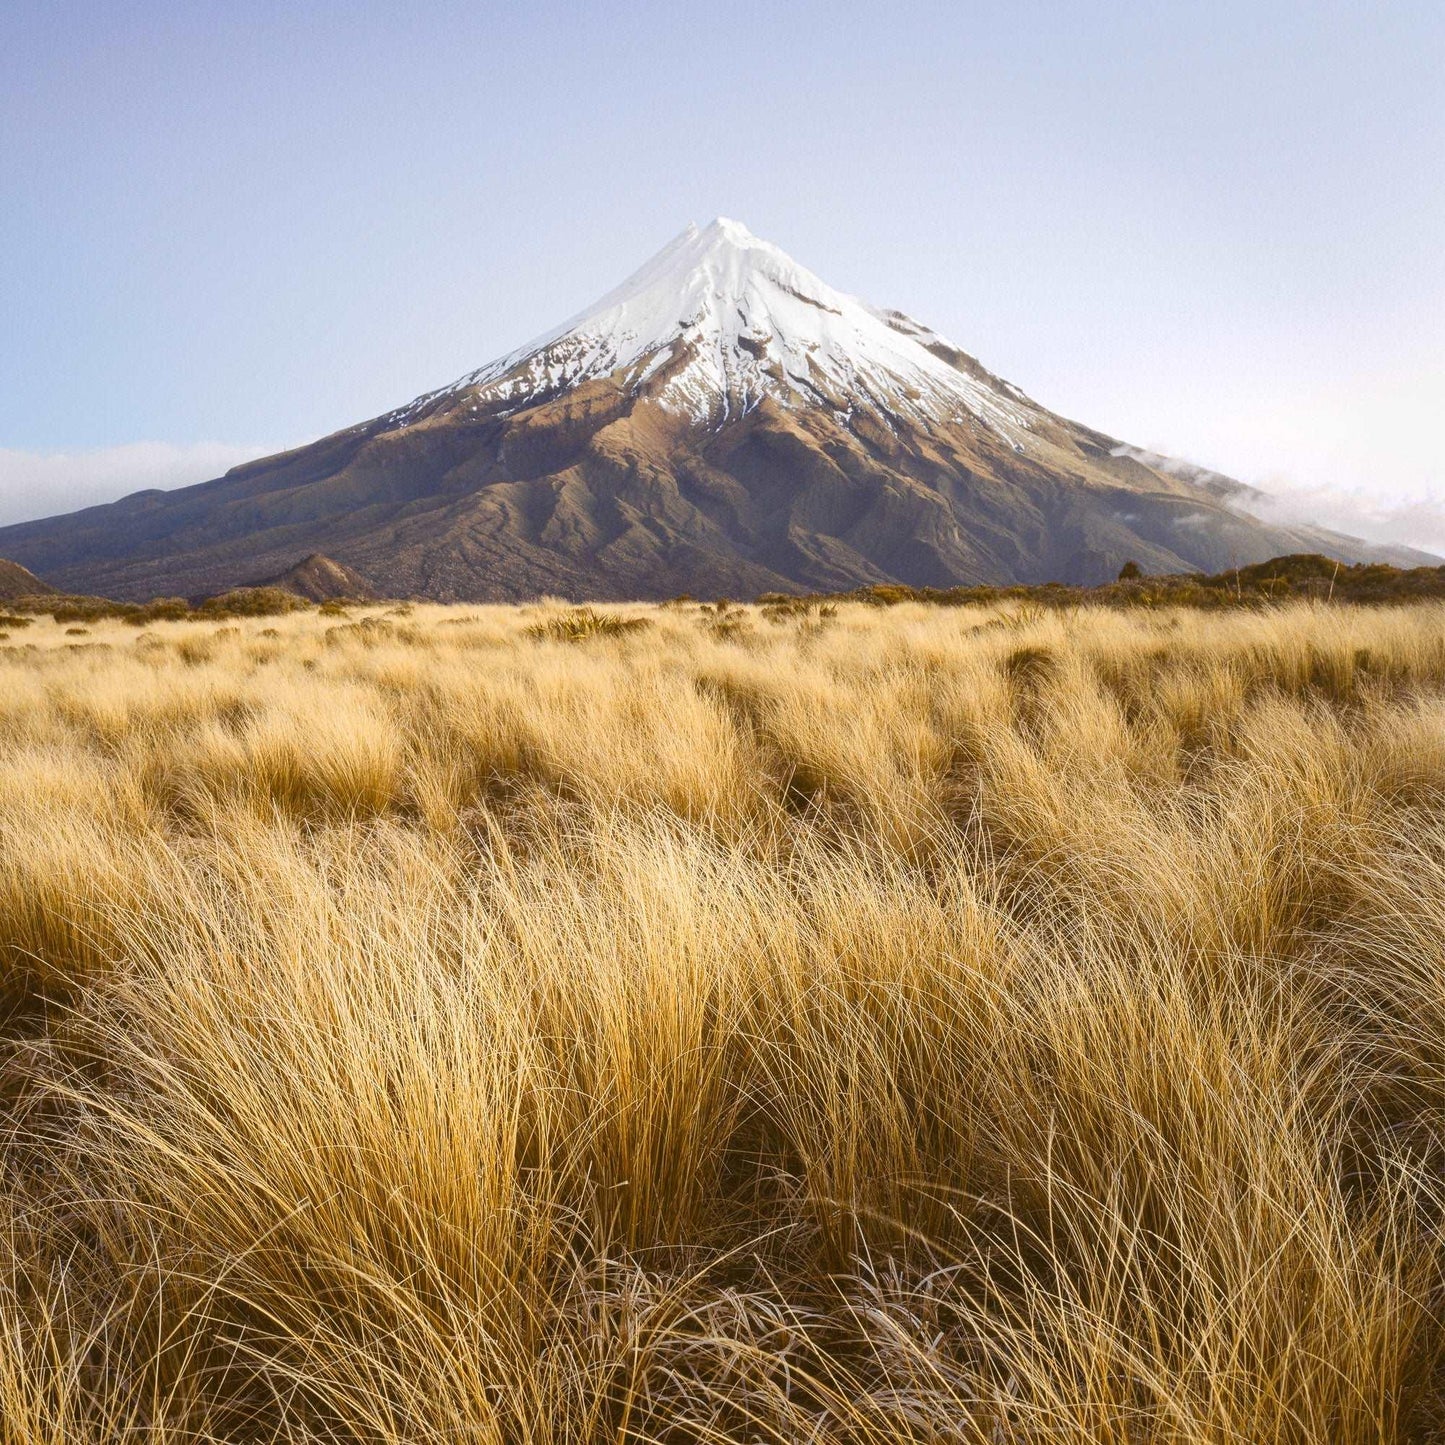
[(580, 623)]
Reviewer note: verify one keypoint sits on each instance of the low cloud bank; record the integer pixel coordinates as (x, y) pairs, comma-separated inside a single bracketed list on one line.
[(1408, 520), (41, 484)]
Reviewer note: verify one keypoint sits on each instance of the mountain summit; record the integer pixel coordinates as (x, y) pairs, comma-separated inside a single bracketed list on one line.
[(718, 321), (722, 422)]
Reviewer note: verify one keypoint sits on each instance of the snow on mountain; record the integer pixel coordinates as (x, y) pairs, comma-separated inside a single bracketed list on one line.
[(719, 319)]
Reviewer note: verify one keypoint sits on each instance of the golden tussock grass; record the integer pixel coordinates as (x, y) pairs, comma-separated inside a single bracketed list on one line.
[(816, 1023)]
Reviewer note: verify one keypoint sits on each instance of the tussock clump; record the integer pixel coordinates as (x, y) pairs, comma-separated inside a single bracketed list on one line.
[(732, 628), (1030, 666), (811, 616), (581, 623), (371, 632), (725, 621), (195, 649)]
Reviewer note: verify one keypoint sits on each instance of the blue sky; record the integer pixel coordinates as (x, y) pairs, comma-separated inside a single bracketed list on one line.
[(1215, 229)]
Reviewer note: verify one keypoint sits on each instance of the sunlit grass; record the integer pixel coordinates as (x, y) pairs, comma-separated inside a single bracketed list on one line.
[(799, 1024)]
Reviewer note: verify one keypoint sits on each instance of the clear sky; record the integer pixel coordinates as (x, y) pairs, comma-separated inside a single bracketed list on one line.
[(1217, 229)]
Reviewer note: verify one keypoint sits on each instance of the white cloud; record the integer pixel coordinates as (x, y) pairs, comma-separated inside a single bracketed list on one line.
[(1410, 519), (1348, 442), (40, 484)]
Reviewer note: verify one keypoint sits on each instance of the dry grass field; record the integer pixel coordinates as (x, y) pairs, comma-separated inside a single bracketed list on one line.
[(807, 1024)]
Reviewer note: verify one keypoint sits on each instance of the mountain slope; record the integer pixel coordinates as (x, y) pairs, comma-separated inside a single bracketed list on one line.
[(723, 422), (17, 581), (320, 579)]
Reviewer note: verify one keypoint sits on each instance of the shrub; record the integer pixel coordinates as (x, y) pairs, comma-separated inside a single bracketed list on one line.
[(90, 609), (163, 609), (252, 602)]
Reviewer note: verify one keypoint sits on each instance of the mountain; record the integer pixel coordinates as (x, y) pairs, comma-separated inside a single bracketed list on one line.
[(722, 423), (320, 579), (15, 582)]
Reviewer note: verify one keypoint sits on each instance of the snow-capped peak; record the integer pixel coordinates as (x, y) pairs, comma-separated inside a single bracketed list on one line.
[(719, 319)]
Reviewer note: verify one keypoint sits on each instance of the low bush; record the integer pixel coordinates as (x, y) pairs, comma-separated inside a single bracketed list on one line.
[(251, 602)]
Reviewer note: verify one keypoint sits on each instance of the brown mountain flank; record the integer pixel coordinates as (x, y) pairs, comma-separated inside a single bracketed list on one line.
[(604, 494), (17, 581), (320, 579)]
